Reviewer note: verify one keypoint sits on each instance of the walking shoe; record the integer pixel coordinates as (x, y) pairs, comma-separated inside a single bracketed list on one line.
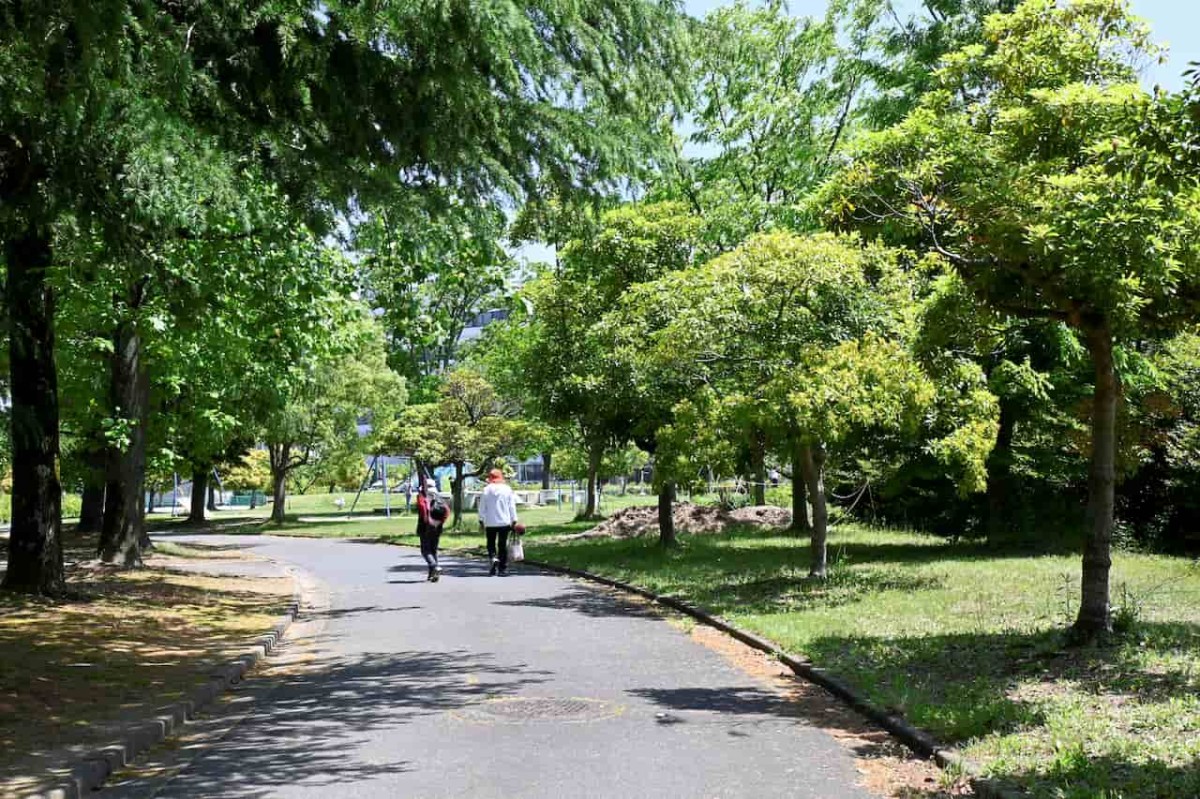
[(503, 572), (495, 568), (435, 574), (429, 577)]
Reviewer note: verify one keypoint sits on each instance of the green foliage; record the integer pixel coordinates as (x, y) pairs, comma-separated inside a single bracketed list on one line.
[(773, 104), (311, 414), (797, 339), (566, 364), (431, 267), (572, 462), (250, 472), (468, 424), (1026, 173)]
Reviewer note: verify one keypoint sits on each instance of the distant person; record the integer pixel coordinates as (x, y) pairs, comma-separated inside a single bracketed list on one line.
[(431, 516), (498, 515)]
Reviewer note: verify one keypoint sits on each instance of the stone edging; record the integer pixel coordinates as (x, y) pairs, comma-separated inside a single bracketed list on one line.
[(913, 737), (94, 768)]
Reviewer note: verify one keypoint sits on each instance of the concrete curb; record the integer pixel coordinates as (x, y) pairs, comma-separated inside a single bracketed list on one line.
[(94, 768), (914, 738)]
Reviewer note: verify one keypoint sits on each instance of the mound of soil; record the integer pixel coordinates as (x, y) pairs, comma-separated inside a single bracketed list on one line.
[(763, 516), (689, 519)]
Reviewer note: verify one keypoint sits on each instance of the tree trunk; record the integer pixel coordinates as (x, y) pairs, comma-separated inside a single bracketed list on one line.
[(1094, 616), (199, 495), (212, 495), (35, 559), (758, 469), (279, 455), (123, 534), (799, 504), (546, 471), (91, 512), (594, 457), (279, 495), (253, 498), (814, 478), (999, 475), (150, 500), (666, 515), (456, 493)]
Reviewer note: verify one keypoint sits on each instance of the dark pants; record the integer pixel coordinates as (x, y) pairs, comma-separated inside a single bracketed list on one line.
[(502, 532), (430, 538)]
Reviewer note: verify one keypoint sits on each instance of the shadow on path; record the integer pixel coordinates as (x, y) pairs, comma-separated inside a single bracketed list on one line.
[(310, 729), (588, 602)]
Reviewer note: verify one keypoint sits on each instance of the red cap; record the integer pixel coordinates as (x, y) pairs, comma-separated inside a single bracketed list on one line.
[(495, 476)]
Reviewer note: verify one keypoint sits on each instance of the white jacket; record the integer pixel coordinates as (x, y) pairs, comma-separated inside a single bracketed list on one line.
[(498, 506)]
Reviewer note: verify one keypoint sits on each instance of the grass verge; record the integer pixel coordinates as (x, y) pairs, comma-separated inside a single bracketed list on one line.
[(965, 641), (121, 644)]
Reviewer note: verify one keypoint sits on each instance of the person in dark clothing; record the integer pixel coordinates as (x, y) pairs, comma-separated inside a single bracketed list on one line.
[(431, 516)]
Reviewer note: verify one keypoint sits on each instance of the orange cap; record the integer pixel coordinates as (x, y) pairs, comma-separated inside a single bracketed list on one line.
[(495, 476)]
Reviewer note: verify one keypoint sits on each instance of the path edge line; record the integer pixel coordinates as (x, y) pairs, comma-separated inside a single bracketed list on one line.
[(920, 741), (92, 770)]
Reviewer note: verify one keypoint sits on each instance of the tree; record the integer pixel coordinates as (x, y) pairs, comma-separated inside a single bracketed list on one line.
[(469, 428), (772, 101), (1032, 173), (342, 379), (431, 266), (567, 366), (96, 99), (897, 47), (799, 340)]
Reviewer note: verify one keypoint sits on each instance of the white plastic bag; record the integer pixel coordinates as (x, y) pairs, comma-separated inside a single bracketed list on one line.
[(516, 552)]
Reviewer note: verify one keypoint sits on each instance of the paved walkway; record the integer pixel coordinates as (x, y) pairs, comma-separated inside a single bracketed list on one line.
[(524, 686)]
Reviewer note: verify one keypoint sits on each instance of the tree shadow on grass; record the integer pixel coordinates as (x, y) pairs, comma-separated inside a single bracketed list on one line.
[(1078, 776), (966, 686), (317, 729)]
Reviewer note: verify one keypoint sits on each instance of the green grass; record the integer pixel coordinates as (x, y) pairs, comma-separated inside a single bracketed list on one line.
[(966, 642)]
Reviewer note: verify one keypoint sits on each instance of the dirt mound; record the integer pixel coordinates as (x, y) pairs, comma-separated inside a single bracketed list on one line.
[(689, 519), (763, 516)]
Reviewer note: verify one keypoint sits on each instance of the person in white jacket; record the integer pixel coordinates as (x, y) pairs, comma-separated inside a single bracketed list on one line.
[(498, 514)]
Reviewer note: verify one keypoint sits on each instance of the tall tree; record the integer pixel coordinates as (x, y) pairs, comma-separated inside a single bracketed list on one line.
[(1031, 171), (342, 379), (322, 98), (567, 365), (771, 109)]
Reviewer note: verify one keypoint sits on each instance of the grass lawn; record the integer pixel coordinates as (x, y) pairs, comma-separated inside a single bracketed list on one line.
[(121, 644), (966, 642)]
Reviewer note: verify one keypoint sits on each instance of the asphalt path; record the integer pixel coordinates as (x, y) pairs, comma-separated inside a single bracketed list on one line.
[(528, 685)]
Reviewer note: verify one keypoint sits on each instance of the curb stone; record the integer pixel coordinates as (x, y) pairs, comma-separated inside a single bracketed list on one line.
[(913, 737), (92, 770)]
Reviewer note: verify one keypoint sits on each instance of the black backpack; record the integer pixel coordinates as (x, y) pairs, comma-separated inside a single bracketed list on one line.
[(437, 509)]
